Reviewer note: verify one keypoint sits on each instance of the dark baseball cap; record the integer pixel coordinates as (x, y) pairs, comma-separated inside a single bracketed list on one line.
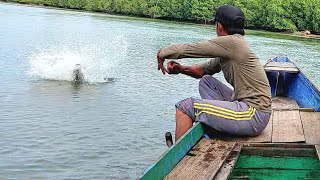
[(230, 17)]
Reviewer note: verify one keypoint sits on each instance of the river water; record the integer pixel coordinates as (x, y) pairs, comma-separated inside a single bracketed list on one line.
[(51, 128)]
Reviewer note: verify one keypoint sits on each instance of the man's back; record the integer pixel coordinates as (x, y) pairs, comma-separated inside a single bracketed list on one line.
[(243, 111), (243, 70)]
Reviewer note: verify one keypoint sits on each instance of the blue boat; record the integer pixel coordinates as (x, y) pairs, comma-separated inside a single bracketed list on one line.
[(287, 80), (289, 147)]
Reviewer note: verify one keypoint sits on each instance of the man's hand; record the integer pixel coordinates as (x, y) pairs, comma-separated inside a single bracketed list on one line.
[(160, 63), (173, 67)]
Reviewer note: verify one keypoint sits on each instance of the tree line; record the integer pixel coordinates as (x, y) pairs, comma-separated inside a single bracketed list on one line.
[(274, 15)]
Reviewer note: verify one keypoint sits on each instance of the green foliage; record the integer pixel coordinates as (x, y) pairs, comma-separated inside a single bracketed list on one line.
[(276, 15), (98, 5)]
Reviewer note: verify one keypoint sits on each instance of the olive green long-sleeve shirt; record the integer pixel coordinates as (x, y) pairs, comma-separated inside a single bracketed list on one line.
[(241, 68)]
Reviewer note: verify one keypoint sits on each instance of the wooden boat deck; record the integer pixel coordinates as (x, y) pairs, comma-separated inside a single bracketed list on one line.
[(214, 158), (288, 148), (281, 67)]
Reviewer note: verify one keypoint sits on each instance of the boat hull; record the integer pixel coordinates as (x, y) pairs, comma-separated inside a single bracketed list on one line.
[(292, 84), (295, 86)]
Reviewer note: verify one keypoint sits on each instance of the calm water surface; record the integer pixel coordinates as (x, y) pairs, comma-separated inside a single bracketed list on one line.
[(53, 129)]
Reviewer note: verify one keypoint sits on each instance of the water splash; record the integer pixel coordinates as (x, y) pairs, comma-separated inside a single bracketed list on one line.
[(98, 63)]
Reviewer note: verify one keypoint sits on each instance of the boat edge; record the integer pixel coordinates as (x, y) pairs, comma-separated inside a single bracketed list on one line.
[(170, 158)]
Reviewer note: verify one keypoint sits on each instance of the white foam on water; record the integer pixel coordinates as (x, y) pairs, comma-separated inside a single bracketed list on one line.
[(98, 63)]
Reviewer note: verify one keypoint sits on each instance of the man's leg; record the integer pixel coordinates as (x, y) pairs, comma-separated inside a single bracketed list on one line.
[(183, 123), (184, 117), (212, 88), (209, 88), (231, 117)]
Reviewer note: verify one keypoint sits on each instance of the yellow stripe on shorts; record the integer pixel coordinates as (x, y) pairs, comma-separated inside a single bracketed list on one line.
[(224, 113)]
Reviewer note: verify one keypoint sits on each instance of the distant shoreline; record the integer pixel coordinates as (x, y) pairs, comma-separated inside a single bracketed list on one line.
[(299, 34), (308, 36)]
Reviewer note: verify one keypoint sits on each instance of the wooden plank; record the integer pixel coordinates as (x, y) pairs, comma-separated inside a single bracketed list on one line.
[(173, 155), (184, 164), (274, 174), (198, 148), (282, 145), (205, 164), (311, 126), (263, 162), (279, 151), (294, 109), (283, 69), (318, 150), (282, 103), (287, 127), (281, 66), (226, 169)]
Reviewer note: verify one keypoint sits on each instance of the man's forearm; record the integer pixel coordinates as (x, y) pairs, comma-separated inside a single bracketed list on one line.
[(194, 71)]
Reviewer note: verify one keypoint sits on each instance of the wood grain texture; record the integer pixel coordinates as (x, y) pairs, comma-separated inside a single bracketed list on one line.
[(281, 66), (311, 126), (286, 69), (283, 103), (287, 127), (228, 165), (318, 150), (244, 174), (279, 151), (271, 162), (208, 156)]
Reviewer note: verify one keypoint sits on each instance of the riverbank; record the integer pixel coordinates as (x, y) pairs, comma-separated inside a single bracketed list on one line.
[(295, 34), (305, 35), (275, 16), (283, 35)]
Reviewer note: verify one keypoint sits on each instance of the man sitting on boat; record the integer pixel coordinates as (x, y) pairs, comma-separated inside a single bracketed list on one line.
[(244, 111)]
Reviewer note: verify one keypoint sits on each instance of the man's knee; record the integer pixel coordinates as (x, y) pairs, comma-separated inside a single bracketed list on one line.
[(206, 80), (186, 106), (207, 84)]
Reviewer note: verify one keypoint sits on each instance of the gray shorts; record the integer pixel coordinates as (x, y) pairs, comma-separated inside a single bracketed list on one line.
[(218, 111)]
